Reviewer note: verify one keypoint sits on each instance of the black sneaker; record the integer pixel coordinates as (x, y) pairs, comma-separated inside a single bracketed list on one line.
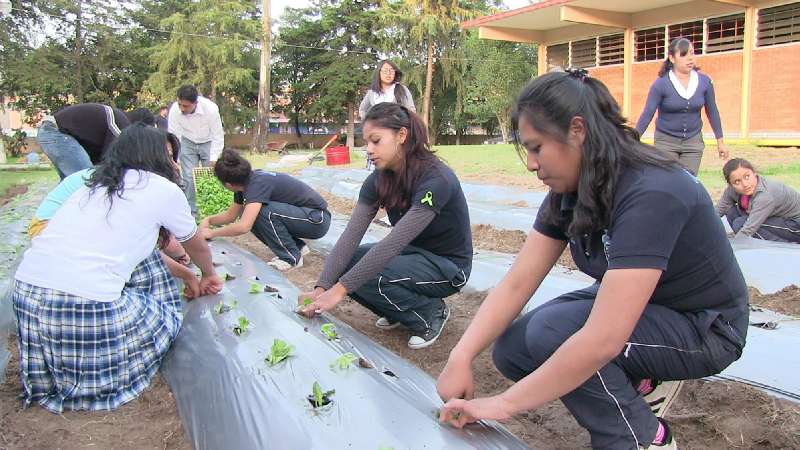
[(429, 336)]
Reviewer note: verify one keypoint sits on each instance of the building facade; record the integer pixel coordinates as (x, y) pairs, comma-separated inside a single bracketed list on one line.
[(749, 48)]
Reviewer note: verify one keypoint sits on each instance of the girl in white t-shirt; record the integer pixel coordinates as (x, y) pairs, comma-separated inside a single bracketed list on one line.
[(96, 308)]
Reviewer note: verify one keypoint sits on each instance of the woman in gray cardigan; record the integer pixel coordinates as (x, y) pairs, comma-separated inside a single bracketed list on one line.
[(758, 207), (386, 87)]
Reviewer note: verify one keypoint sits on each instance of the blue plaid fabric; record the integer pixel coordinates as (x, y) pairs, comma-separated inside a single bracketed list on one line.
[(80, 354)]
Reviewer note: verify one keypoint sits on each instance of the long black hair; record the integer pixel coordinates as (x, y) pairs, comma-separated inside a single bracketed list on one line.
[(679, 45), (394, 187), (138, 147), (549, 103), (399, 89)]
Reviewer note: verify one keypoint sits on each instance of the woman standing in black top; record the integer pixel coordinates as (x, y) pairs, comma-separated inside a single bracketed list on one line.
[(279, 209), (428, 254), (645, 230)]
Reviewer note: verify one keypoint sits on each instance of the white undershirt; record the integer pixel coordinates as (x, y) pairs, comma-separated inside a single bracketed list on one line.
[(90, 251), (387, 96), (688, 91)]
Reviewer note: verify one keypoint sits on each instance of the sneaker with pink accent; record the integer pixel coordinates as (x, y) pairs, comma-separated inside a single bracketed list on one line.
[(659, 394), (664, 439)]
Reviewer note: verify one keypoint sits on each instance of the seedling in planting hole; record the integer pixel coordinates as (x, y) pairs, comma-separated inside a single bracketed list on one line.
[(455, 415), (241, 327), (306, 301), (229, 277), (255, 288), (318, 398), (280, 350), (343, 362), (329, 330), (222, 308)]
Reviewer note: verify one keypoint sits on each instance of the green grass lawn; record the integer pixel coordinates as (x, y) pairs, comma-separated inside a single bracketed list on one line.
[(10, 178), (500, 165)]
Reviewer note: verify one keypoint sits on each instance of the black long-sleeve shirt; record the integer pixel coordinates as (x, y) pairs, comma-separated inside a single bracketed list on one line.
[(93, 125)]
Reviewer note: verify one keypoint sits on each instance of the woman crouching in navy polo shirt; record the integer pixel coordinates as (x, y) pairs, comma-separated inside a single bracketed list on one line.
[(279, 209), (428, 254), (645, 230)]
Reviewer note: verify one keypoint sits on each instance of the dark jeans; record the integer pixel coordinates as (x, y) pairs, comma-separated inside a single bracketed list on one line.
[(281, 227), (665, 345), (410, 288), (774, 228), (66, 153)]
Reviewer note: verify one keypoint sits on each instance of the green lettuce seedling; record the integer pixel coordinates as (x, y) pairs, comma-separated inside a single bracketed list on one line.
[(280, 350), (343, 362), (241, 327), (222, 308), (255, 288), (318, 397), (329, 330)]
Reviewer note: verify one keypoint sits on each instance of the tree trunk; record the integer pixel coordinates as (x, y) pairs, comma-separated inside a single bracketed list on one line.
[(426, 102), (502, 120), (78, 51), (458, 136), (351, 124), (262, 122)]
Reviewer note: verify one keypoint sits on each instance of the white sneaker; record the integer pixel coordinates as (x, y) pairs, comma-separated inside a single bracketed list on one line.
[(429, 336), (662, 396), (282, 265), (385, 324)]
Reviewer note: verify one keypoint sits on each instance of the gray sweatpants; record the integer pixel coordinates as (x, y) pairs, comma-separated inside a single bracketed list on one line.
[(192, 155), (665, 345), (282, 228), (688, 152), (411, 288)]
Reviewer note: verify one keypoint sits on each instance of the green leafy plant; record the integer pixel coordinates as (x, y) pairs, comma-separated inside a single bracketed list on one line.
[(307, 301), (279, 351), (212, 197), (343, 362), (255, 288), (319, 397), (241, 327), (222, 308), (329, 330)]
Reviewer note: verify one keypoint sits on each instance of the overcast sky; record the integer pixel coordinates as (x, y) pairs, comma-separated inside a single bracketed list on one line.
[(277, 6)]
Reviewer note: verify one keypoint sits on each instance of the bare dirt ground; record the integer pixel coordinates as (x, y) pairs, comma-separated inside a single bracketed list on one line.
[(786, 301), (707, 415), (148, 422), (13, 191)]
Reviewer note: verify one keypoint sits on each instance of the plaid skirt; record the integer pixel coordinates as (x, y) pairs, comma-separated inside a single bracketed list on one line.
[(80, 354)]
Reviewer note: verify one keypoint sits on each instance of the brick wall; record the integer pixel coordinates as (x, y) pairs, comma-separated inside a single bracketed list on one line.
[(613, 78), (775, 89)]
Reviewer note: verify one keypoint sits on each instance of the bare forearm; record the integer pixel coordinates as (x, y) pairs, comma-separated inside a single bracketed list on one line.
[(198, 249), (234, 229)]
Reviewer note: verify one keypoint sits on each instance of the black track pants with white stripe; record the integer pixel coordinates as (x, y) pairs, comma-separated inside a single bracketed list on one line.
[(281, 227), (410, 288), (665, 345), (776, 229)]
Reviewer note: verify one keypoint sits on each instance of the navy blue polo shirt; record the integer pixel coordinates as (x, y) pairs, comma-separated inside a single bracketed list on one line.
[(449, 234), (264, 187), (662, 219)]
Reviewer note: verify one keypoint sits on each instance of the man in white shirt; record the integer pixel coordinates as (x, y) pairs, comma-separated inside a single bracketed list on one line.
[(196, 121)]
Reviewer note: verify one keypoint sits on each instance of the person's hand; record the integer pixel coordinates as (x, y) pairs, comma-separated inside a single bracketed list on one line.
[(183, 259), (723, 150), (206, 234), (191, 287), (305, 298), (456, 380), (210, 284), (205, 223), (459, 412), (325, 301)]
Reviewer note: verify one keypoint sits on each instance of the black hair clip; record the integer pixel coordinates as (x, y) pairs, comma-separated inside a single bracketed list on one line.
[(580, 74)]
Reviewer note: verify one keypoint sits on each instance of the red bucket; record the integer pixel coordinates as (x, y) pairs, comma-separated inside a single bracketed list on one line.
[(337, 155)]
